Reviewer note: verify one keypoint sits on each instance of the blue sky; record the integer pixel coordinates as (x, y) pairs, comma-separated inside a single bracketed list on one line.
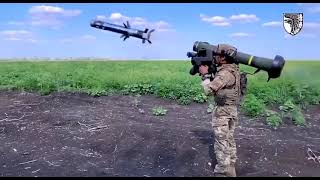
[(61, 30)]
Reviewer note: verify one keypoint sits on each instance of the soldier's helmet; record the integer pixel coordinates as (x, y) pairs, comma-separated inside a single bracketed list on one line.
[(226, 49)]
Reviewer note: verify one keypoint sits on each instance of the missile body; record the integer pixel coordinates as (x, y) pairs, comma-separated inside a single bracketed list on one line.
[(125, 30)]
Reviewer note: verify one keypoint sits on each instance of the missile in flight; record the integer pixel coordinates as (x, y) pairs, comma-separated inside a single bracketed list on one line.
[(125, 30)]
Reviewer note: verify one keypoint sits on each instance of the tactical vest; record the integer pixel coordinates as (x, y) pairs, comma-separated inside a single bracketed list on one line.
[(229, 95)]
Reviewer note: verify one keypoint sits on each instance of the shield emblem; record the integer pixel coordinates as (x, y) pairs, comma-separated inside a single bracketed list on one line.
[(293, 22)]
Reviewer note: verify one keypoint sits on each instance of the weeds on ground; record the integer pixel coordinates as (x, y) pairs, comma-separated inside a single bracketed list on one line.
[(138, 89), (159, 111), (292, 111), (96, 92), (273, 119)]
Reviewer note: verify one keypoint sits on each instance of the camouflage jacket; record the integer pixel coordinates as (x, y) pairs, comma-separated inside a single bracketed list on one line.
[(225, 87)]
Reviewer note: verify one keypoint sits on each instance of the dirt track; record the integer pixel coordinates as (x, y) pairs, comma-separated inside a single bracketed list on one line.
[(79, 135)]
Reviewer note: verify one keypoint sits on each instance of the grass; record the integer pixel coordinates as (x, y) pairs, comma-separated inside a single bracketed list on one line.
[(167, 79)]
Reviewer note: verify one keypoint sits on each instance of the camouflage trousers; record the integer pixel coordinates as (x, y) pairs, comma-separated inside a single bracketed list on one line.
[(224, 122)]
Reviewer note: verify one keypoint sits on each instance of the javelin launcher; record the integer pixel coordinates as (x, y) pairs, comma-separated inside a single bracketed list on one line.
[(205, 52)]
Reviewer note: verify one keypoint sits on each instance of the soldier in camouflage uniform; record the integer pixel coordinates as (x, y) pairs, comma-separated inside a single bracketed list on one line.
[(225, 87)]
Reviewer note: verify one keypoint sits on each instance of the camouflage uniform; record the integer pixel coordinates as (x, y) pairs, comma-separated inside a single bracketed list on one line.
[(225, 87)]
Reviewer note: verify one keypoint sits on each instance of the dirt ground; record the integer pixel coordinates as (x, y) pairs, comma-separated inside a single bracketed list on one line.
[(66, 134)]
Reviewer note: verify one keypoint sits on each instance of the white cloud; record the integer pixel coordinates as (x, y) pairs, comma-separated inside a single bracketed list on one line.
[(18, 35), (51, 16), (224, 21), (244, 18), (272, 24), (215, 20), (140, 22), (117, 16), (239, 35), (53, 10)]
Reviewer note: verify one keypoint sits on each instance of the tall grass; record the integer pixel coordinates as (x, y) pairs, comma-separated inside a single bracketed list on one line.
[(299, 82)]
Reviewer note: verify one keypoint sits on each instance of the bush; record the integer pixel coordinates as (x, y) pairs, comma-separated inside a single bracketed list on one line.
[(252, 106)]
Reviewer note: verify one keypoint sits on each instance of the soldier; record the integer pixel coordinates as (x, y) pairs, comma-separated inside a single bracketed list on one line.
[(225, 87)]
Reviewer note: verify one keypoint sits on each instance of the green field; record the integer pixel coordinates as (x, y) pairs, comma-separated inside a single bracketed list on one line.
[(299, 83)]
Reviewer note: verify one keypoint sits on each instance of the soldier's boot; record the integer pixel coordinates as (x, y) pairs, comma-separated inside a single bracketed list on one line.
[(232, 170)]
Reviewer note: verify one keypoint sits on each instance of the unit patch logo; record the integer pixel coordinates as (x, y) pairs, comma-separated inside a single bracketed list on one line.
[(293, 22)]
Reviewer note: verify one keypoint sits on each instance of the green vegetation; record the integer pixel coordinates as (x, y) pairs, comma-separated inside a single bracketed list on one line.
[(292, 111), (273, 119), (252, 106), (159, 111), (298, 83)]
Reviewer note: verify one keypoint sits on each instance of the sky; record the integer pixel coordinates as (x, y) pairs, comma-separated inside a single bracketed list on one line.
[(62, 30)]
